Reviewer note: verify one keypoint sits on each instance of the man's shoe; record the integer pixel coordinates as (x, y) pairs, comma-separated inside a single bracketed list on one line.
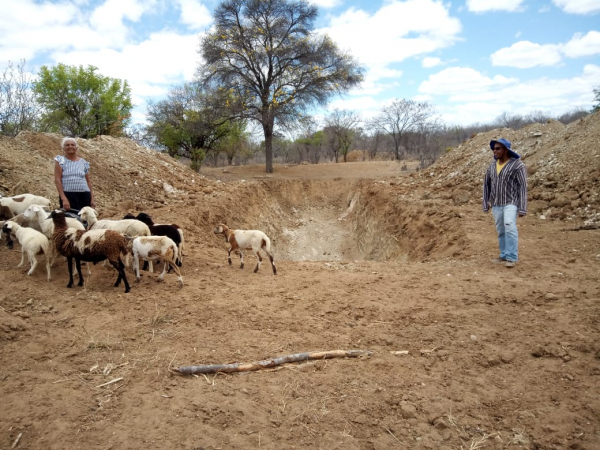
[(498, 261), (510, 264)]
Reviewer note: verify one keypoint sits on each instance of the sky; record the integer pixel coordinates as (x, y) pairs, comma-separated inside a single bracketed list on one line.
[(471, 59)]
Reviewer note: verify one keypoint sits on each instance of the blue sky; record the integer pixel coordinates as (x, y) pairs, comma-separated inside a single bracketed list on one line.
[(471, 59)]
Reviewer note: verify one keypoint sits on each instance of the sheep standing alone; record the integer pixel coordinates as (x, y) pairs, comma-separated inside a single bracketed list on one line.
[(254, 240), (19, 203), (92, 246), (152, 248), (32, 242)]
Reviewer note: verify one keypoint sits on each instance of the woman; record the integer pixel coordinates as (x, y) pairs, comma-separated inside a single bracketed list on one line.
[(72, 178)]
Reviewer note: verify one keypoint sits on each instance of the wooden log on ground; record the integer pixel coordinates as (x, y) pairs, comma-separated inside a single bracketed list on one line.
[(247, 367)]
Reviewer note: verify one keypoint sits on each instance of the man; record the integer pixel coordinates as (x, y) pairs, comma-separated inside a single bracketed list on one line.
[(505, 191)]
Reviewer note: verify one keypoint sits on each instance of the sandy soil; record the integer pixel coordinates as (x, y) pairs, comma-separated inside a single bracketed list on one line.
[(497, 358)]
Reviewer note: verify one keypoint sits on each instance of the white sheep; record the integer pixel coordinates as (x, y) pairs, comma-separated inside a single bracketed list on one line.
[(19, 203), (152, 248), (36, 213), (129, 227), (254, 240), (32, 242)]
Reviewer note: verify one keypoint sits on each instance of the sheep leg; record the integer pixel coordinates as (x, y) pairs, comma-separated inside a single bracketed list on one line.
[(70, 266), (272, 261), (33, 263), (229, 256), (257, 262), (241, 259), (48, 269), (136, 267), (121, 269), (79, 274), (162, 274), (23, 257)]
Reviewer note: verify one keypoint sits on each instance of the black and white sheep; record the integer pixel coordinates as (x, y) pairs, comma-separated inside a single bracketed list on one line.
[(254, 240), (169, 231), (91, 246), (32, 242), (153, 248)]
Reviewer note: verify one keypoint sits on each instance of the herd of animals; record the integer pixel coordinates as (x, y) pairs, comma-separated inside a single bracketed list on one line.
[(80, 236)]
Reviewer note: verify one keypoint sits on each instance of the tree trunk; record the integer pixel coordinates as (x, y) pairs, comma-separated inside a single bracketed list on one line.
[(268, 130)]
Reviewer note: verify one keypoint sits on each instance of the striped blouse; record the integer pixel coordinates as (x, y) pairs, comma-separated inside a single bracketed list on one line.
[(509, 187), (73, 174)]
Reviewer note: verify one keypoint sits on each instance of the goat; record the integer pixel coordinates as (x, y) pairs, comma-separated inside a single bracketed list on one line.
[(152, 248), (32, 242), (254, 240), (92, 246)]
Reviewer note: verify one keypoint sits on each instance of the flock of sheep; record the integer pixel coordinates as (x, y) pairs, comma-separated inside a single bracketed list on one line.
[(26, 218)]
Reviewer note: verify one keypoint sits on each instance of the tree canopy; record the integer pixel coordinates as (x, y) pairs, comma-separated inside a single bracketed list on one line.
[(79, 101), (271, 64), (19, 109), (190, 122)]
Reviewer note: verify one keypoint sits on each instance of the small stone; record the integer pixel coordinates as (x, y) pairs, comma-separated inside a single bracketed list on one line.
[(507, 357), (473, 337), (550, 296), (29, 302), (538, 352), (408, 410), (493, 361)]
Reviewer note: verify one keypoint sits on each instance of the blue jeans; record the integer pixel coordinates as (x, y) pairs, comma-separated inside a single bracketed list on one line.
[(505, 218)]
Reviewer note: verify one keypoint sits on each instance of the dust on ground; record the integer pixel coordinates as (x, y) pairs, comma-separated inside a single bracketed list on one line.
[(497, 358)]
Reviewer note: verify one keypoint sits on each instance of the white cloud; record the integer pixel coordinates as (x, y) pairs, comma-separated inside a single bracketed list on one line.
[(481, 6), (583, 45), (326, 3), (525, 54), (194, 14), (397, 31), (475, 97), (150, 67), (429, 62), (578, 6)]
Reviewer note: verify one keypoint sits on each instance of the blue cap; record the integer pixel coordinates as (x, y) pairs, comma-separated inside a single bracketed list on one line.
[(507, 144)]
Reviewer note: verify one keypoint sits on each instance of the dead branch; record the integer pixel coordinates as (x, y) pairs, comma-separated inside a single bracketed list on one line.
[(257, 365)]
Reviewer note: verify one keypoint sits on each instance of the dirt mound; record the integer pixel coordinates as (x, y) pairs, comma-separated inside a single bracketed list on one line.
[(563, 164)]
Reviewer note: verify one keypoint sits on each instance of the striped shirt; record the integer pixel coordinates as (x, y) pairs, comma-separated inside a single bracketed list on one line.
[(509, 187), (73, 174)]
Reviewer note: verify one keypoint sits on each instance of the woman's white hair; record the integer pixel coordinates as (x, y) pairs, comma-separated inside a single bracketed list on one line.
[(67, 139)]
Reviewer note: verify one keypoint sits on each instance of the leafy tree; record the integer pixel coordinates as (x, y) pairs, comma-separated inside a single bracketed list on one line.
[(80, 102), (188, 123), (403, 116), (235, 141), (270, 61), (19, 109), (596, 99), (340, 126)]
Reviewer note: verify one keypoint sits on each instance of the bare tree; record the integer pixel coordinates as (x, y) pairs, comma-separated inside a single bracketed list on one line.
[(512, 121), (403, 116), (19, 109), (341, 125), (271, 63)]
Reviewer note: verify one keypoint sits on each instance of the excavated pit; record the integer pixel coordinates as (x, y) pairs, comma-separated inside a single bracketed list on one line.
[(345, 220)]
